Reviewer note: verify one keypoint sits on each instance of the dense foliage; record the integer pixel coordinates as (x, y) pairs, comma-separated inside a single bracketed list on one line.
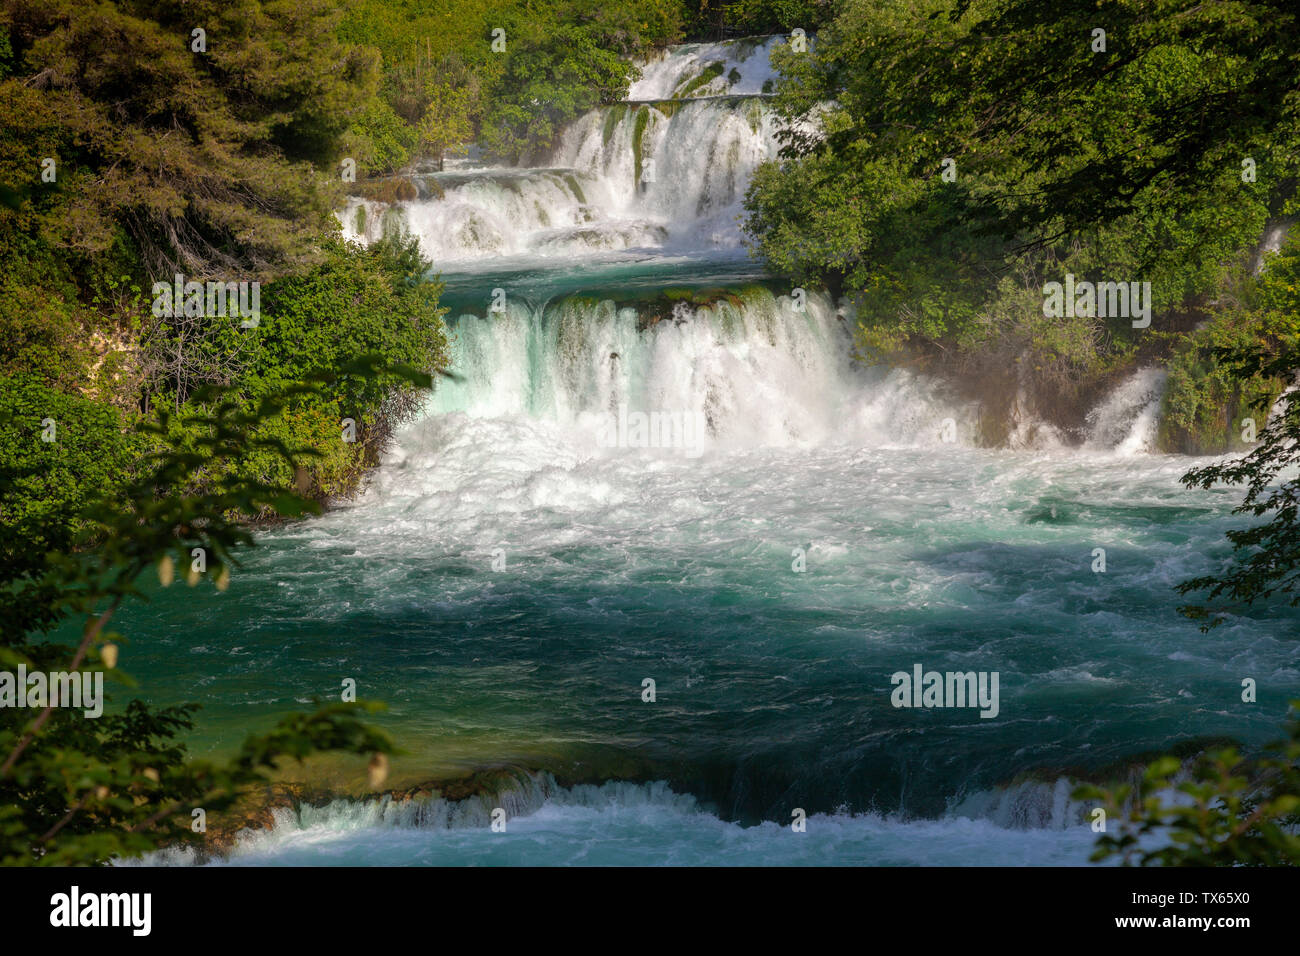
[(138, 150), (193, 160), (79, 789), (505, 74), (947, 159), (1225, 809), (142, 141)]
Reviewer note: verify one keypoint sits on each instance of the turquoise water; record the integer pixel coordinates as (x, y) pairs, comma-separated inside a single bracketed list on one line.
[(773, 686), (511, 577)]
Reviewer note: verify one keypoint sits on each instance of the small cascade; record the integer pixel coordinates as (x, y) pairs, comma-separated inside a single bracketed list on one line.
[(1126, 421), (741, 67)]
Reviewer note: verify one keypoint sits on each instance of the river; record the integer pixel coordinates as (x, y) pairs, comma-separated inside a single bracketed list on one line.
[(786, 533)]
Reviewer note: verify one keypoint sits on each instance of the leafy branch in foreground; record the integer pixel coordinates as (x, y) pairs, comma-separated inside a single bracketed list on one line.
[(1229, 811), (81, 790), (1266, 556)]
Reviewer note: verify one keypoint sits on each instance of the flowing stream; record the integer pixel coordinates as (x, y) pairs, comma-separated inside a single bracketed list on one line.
[(658, 464)]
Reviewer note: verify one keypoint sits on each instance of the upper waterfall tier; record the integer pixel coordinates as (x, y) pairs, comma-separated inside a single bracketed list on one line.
[(667, 176), (664, 172), (708, 69)]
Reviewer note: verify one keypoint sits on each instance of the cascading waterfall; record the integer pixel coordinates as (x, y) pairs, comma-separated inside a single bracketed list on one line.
[(709, 69), (759, 369), (663, 171), (661, 176), (607, 824), (684, 164), (666, 175), (511, 577), (502, 213)]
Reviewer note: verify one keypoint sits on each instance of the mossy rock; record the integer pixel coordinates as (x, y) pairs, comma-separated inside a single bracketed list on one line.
[(614, 115), (687, 88), (394, 189), (662, 305), (571, 181), (638, 132), (668, 108)]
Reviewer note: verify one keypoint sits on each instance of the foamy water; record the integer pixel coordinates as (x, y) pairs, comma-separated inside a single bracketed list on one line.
[(511, 577)]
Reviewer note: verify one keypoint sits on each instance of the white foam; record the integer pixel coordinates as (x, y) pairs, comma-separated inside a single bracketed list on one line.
[(625, 824), (1126, 421), (746, 69)]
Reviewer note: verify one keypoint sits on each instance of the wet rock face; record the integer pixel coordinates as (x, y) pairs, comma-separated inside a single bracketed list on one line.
[(254, 811), (394, 189)]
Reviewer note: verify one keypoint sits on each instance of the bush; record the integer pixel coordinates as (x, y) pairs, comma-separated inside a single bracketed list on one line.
[(84, 789), (1225, 809), (47, 483), (1207, 398), (355, 302)]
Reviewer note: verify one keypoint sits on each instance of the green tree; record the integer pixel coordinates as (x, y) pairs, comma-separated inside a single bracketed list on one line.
[(206, 157), (944, 159), (552, 72), (1265, 561), (355, 301), (79, 790), (448, 120)]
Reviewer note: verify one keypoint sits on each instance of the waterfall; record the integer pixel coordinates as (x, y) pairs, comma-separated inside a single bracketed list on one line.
[(648, 193), (757, 367), (707, 69), (668, 175), (660, 172), (1126, 421), (684, 165)]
